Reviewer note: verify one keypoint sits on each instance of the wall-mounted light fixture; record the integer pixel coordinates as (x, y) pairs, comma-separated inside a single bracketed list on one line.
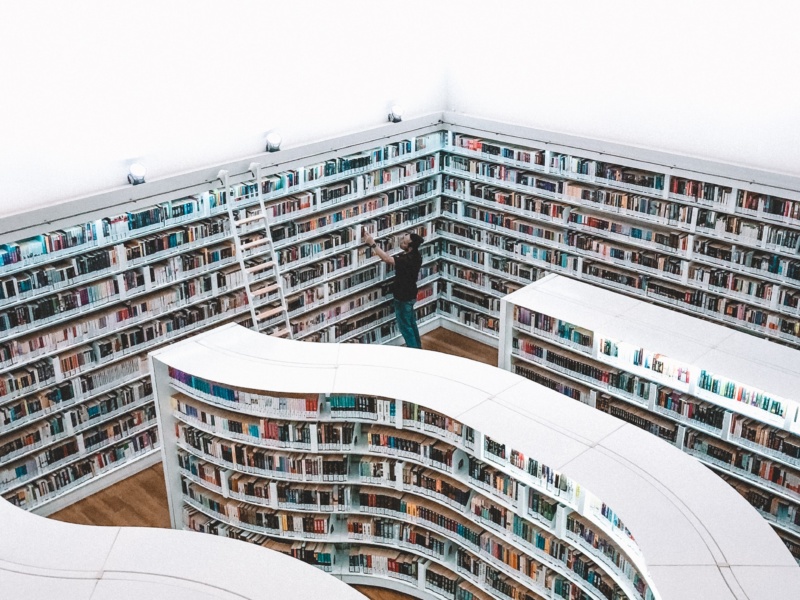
[(136, 173), (273, 142), (395, 113)]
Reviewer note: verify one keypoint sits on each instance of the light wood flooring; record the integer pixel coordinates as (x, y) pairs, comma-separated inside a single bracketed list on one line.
[(138, 501), (141, 500), (376, 593), (443, 340)]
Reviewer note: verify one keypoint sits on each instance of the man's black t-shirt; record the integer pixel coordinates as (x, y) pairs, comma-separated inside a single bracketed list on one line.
[(406, 271)]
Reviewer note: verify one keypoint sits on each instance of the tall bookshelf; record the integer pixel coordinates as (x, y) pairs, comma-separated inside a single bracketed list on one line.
[(722, 396), (273, 241), (441, 477), (276, 249), (708, 239)]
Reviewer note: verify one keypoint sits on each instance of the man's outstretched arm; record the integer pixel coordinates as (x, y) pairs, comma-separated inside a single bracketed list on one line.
[(370, 241)]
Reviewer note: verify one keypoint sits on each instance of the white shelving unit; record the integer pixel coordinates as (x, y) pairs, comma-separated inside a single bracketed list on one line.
[(76, 412), (246, 418), (708, 239), (722, 396), (273, 241)]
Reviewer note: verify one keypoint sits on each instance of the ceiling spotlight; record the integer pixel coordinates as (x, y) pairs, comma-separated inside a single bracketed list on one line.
[(396, 114), (136, 173), (273, 142)]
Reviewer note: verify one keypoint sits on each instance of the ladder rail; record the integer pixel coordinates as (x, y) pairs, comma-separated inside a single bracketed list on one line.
[(237, 241), (284, 328)]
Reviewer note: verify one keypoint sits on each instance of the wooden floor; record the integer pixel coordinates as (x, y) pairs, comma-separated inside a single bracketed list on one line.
[(138, 501), (376, 593), (141, 500), (448, 342)]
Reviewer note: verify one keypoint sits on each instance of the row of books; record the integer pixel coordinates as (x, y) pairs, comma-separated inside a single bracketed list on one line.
[(263, 402), (735, 391), (639, 417), (55, 241), (42, 487), (59, 274), (668, 213), (188, 234), (44, 309), (581, 166), (690, 407), (437, 518), (94, 232), (502, 173), (751, 260), (526, 155), (125, 315), (643, 259), (776, 233), (497, 480), (699, 190), (758, 468), (769, 205), (663, 264)]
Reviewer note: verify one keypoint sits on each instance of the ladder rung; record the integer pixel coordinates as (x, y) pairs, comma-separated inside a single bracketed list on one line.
[(258, 242), (249, 219), (280, 332), (266, 314), (260, 267), (267, 289)]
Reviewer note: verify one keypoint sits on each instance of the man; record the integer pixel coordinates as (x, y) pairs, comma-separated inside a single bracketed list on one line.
[(404, 286)]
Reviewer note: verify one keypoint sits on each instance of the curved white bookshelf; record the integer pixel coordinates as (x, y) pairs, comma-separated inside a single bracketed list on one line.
[(692, 536), (42, 559), (723, 396)]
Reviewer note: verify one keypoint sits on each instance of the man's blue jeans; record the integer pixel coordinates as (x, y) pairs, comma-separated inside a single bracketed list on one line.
[(407, 322)]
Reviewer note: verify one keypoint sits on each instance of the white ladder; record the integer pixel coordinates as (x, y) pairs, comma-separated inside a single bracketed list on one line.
[(257, 261)]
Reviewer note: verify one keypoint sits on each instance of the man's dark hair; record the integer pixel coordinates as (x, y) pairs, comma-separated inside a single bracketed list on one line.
[(416, 241)]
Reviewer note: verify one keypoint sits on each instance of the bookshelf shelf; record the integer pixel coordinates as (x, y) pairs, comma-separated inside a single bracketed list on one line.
[(405, 466)]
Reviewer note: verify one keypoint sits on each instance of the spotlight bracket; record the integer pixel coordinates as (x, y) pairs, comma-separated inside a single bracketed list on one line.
[(273, 142), (136, 174)]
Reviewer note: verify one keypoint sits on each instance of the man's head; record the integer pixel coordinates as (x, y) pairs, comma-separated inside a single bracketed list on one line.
[(410, 241)]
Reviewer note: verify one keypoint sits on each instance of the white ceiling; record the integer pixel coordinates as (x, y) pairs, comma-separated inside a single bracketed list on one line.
[(180, 85)]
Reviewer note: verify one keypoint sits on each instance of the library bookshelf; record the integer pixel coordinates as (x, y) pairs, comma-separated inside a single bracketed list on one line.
[(41, 559), (89, 286), (443, 477), (720, 395), (82, 304), (709, 239)]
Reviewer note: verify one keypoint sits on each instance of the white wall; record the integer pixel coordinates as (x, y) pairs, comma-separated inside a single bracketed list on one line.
[(88, 87), (184, 84), (710, 78)]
